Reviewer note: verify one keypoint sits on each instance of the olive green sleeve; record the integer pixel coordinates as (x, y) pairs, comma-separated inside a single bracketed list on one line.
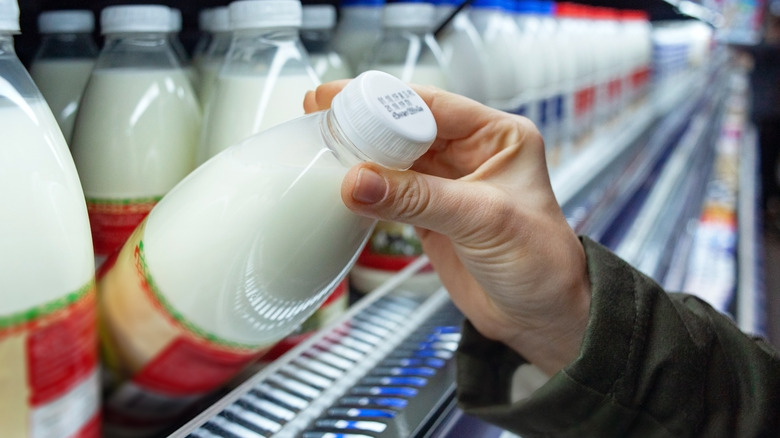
[(652, 364)]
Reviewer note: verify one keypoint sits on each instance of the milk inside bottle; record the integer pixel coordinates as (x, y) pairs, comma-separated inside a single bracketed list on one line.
[(316, 35), (245, 248), (264, 78), (137, 129), (49, 384), (358, 30), (408, 51), (63, 62), (463, 53), (210, 62)]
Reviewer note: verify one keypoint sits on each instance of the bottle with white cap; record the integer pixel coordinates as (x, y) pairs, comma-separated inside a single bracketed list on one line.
[(178, 47), (63, 62), (245, 248), (209, 63), (137, 128), (264, 78), (408, 51), (49, 385), (407, 48), (205, 34), (463, 52), (317, 28), (358, 29)]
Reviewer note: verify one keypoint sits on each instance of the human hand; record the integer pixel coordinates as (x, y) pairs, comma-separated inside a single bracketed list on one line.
[(489, 222)]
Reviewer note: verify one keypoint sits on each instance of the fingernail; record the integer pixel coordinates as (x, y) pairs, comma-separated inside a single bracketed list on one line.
[(370, 187)]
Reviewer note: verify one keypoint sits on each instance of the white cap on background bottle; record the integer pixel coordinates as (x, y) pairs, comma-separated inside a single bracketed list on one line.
[(176, 20), (135, 18), (318, 17), (66, 21), (409, 15), (385, 119), (9, 16), (253, 14), (220, 19)]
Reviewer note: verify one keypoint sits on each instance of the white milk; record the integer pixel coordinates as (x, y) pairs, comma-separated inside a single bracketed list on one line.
[(417, 74), (241, 106), (208, 70), (136, 134), (62, 81), (463, 55)]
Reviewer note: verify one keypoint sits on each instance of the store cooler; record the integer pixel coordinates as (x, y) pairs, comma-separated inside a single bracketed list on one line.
[(386, 368)]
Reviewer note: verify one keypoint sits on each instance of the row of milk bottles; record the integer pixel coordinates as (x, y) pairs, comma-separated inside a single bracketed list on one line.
[(206, 269)]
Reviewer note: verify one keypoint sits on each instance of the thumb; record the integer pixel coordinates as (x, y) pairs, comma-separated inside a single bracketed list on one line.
[(446, 206)]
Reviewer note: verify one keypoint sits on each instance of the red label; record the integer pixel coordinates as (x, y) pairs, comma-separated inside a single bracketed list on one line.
[(113, 222), (615, 88), (62, 350), (387, 262)]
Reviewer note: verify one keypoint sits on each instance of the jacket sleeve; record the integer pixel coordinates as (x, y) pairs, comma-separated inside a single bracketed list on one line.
[(651, 364)]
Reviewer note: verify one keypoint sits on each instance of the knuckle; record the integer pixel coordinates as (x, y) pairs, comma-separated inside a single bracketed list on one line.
[(412, 198)]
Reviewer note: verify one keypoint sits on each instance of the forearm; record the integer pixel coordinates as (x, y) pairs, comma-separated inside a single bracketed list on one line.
[(650, 364)]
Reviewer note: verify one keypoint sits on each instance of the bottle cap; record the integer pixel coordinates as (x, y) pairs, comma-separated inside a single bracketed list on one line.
[(374, 3), (9, 16), (135, 18), (205, 18), (385, 119), (70, 21), (318, 17), (175, 20), (262, 14), (409, 15), (489, 4), (220, 19)]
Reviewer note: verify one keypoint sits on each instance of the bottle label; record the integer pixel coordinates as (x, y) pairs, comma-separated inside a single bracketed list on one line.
[(49, 382), (521, 110), (615, 89), (113, 220), (392, 247), (159, 361)]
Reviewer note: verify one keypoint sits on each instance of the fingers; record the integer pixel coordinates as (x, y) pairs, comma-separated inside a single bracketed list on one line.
[(321, 98), (449, 207)]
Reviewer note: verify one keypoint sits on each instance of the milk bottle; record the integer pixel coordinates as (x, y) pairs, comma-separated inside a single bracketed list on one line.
[(358, 30), (49, 383), (178, 47), (136, 131), (206, 34), (463, 53), (316, 34), (264, 78), (63, 62), (500, 37), (211, 61), (245, 248)]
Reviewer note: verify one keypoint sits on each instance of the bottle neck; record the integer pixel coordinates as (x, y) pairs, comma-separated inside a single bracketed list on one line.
[(67, 45), (7, 44), (137, 50), (343, 148), (316, 40)]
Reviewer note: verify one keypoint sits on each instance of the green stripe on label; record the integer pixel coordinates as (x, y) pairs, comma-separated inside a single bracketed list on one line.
[(29, 315), (188, 325), (129, 201)]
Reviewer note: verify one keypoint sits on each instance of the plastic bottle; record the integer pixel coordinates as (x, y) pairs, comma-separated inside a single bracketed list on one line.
[(246, 247), (463, 53), (358, 30), (407, 48), (538, 71), (580, 109), (564, 100), (49, 385), (137, 129), (317, 28), (264, 78), (178, 47), (63, 62), (212, 59), (500, 37), (205, 35)]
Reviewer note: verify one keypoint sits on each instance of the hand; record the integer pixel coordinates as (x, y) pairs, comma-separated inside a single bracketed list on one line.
[(488, 220)]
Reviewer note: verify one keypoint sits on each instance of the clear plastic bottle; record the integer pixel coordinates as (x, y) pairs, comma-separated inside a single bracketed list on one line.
[(178, 47), (137, 128), (212, 59), (264, 78), (63, 62), (205, 35), (49, 383), (407, 48), (249, 245), (463, 53), (317, 28), (358, 30)]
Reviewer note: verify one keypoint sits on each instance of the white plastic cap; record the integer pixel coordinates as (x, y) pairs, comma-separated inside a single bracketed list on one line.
[(9, 16), (409, 15), (175, 18), (220, 19), (135, 18), (385, 119), (71, 21), (205, 18), (318, 17), (261, 14)]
